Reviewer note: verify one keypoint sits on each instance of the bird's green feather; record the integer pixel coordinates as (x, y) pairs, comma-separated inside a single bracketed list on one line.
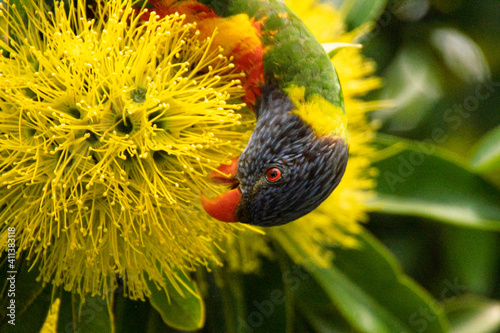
[(293, 56)]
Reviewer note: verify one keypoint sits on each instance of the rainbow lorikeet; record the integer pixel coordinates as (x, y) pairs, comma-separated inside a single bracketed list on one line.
[(298, 152)]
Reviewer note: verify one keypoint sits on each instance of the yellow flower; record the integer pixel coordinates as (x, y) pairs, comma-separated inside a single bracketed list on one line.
[(108, 128), (338, 218)]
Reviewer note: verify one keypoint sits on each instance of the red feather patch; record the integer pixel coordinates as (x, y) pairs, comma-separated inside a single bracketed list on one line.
[(238, 35)]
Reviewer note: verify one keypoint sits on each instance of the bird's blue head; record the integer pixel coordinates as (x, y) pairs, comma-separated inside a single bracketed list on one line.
[(285, 171)]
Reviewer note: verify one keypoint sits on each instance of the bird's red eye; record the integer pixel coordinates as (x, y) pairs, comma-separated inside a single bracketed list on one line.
[(273, 174)]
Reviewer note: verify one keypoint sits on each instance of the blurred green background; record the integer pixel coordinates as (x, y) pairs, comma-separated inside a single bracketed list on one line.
[(440, 62)]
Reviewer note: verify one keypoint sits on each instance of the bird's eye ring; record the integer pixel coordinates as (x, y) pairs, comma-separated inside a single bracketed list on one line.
[(273, 174)]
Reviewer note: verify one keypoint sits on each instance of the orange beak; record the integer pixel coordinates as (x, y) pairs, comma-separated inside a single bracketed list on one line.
[(224, 207)]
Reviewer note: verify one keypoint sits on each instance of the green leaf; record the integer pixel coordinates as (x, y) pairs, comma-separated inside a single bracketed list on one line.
[(473, 258), (224, 300), (413, 85), (359, 12), (126, 313), (266, 298), (179, 305), (78, 315), (486, 153), (315, 306), (421, 179), (156, 324), (32, 299), (367, 286), (473, 314)]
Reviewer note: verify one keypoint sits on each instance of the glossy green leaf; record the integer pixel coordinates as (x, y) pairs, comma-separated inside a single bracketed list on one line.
[(473, 314), (32, 299), (90, 315), (182, 307), (486, 154), (368, 287), (422, 180)]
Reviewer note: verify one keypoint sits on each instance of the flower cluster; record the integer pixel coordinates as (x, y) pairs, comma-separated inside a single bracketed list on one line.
[(109, 123)]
